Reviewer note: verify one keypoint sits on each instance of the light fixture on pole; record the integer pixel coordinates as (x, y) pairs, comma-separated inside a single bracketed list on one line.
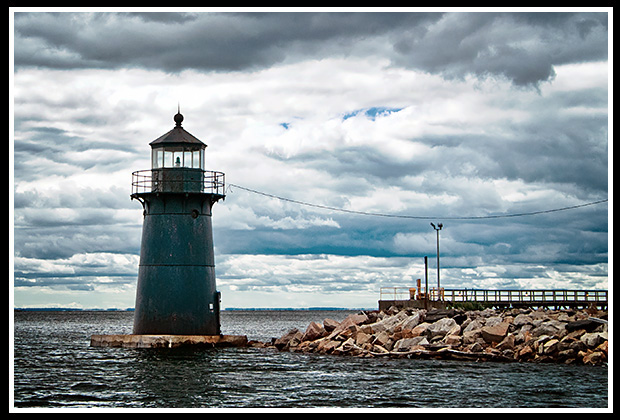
[(437, 228)]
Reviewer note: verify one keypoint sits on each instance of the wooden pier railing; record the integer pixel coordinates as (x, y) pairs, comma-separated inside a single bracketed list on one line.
[(499, 298)]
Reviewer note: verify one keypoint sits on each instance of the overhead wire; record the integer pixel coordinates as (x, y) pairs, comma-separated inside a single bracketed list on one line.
[(401, 216)]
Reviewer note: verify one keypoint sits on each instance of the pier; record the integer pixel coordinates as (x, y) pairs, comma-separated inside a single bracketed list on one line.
[(411, 297)]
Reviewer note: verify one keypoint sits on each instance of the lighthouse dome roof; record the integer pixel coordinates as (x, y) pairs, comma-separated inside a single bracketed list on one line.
[(177, 136)]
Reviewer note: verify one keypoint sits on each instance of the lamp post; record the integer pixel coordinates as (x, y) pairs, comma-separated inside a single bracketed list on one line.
[(437, 229)]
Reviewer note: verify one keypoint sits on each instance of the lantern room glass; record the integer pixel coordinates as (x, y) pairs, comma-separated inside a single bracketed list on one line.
[(177, 157)]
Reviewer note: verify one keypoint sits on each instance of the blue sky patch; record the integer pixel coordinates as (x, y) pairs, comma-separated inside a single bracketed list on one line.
[(372, 113)]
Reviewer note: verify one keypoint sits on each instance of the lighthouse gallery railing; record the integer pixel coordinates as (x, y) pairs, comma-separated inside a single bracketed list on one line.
[(178, 180)]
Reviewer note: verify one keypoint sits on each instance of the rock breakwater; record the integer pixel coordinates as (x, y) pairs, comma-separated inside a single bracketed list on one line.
[(513, 335)]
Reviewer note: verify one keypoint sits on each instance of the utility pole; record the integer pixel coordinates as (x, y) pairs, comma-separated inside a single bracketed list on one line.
[(437, 229), (425, 282), (425, 276)]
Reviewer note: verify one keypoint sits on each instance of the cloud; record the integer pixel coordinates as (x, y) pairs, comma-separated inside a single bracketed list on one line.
[(203, 41), (523, 47), (84, 280), (434, 115), (79, 272)]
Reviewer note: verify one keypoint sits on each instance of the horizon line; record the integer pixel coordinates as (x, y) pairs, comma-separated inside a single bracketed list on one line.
[(231, 309)]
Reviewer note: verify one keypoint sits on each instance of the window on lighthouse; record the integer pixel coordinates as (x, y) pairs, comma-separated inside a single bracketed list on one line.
[(162, 158), (158, 158), (167, 159)]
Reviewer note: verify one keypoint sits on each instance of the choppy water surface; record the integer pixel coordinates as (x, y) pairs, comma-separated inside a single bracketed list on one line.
[(55, 367)]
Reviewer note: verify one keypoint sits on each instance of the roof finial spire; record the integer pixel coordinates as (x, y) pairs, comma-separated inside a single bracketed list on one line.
[(178, 119)]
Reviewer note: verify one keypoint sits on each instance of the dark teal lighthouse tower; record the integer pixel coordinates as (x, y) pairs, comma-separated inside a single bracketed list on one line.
[(176, 291)]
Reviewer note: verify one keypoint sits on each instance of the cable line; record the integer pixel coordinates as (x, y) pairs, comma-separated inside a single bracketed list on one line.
[(400, 216)]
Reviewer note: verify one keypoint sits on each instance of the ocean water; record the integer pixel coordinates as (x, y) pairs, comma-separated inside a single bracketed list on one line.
[(54, 367)]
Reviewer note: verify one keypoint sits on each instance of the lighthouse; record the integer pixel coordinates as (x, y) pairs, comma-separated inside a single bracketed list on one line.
[(176, 291)]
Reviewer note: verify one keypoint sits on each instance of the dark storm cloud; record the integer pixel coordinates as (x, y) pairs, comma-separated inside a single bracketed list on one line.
[(165, 17), (205, 41), (522, 47), (55, 238), (580, 234), (393, 141)]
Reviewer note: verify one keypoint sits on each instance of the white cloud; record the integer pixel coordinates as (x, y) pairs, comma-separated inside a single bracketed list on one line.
[(343, 118), (319, 280)]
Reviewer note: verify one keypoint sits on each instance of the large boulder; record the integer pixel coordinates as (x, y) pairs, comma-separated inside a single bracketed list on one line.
[(508, 343), (594, 339), (493, 320), (526, 352), (552, 328), (412, 321), (588, 324), (523, 335), (521, 320), (442, 327), (435, 315), (604, 347), (476, 324), (471, 336), (347, 324), (594, 358), (389, 323), (330, 324), (291, 339), (488, 312), (362, 338), (327, 346), (453, 340), (420, 329), (353, 319), (313, 332), (495, 333), (406, 344), (347, 347), (381, 339), (551, 346)]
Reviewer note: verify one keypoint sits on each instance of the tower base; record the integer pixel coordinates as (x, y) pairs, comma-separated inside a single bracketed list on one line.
[(143, 341)]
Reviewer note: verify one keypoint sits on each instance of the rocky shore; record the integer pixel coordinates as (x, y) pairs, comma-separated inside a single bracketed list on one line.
[(513, 335)]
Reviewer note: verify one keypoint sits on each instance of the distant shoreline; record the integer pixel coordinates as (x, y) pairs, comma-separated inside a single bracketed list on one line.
[(71, 310), (233, 309)]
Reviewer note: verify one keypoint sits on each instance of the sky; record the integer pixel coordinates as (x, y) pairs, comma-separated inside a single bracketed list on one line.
[(444, 115)]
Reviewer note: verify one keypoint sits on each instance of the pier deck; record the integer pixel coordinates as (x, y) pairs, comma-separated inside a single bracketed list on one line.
[(410, 297)]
